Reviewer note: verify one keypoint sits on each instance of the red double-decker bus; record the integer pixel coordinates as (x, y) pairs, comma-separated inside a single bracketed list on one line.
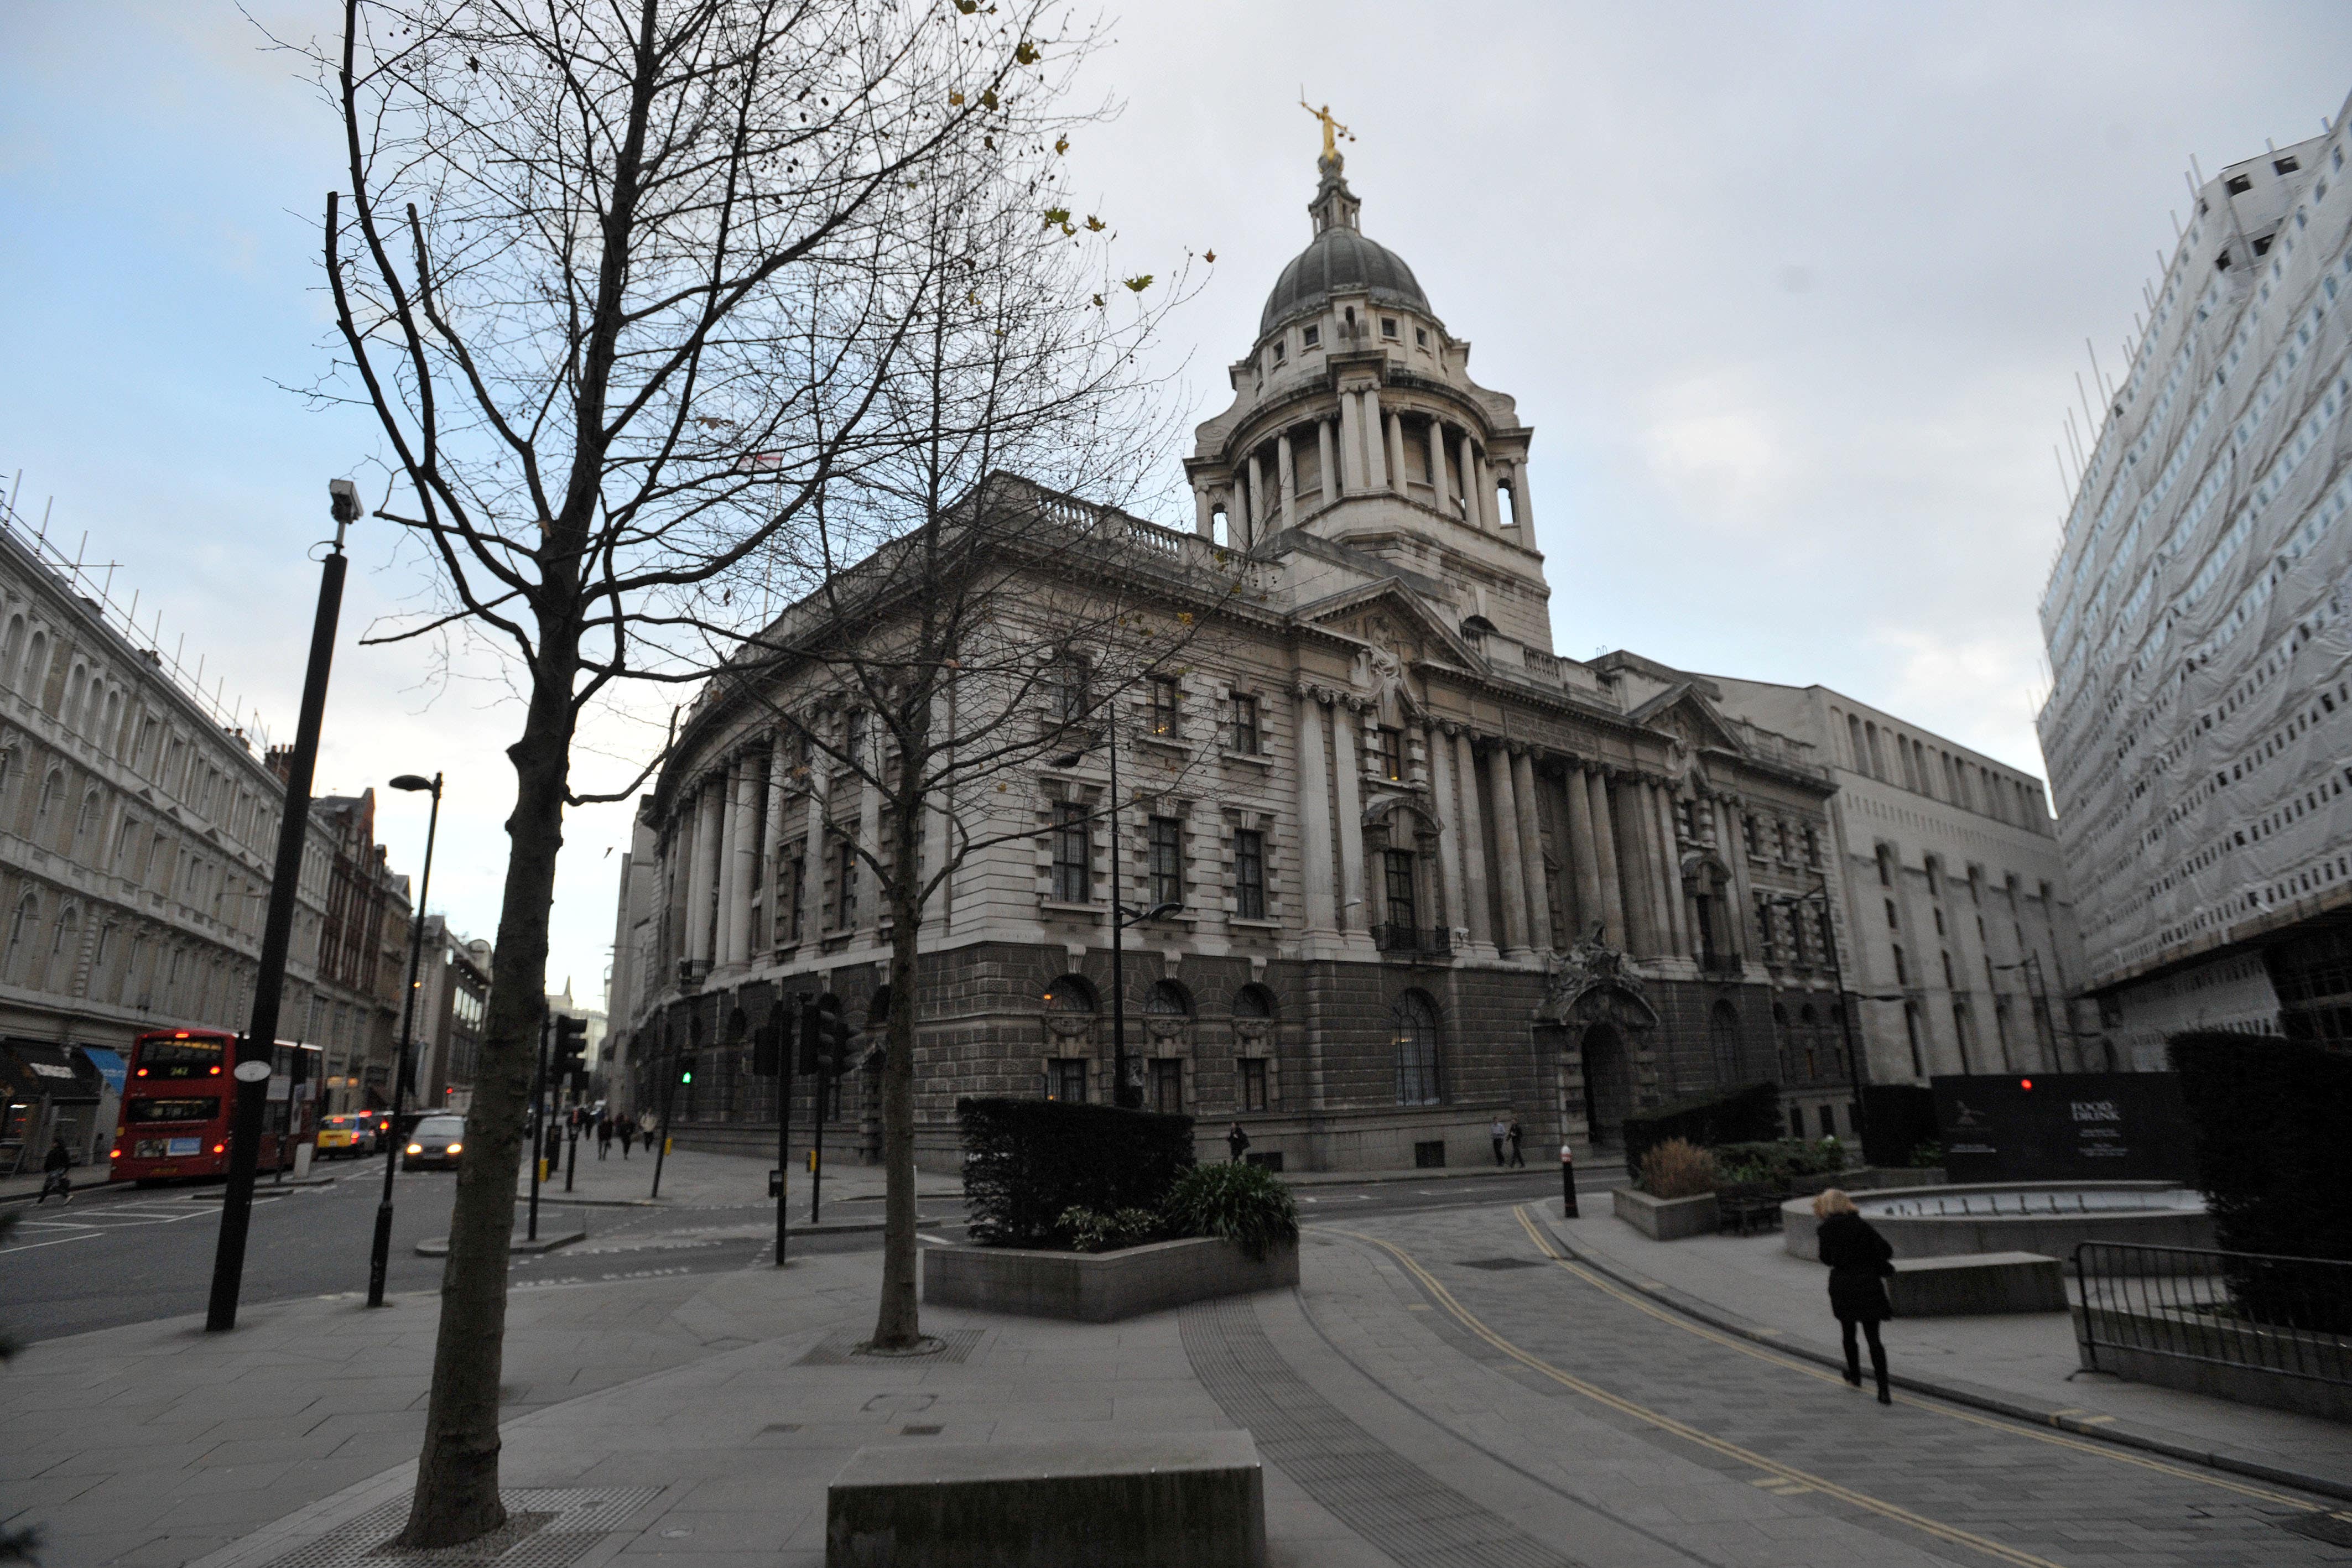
[(179, 1094)]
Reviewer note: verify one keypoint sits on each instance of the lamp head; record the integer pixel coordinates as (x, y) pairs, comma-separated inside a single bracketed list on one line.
[(413, 781)]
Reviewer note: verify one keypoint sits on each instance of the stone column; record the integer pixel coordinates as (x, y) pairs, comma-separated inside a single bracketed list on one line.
[(1480, 909), (1449, 825), (1257, 506), (1670, 857), (815, 852), (1735, 855), (869, 824), (680, 865), (1645, 815), (1522, 508), (1351, 446), (1326, 477), (1287, 478), (1396, 454), (1314, 817), (1347, 769), (1437, 486), (1510, 870), (1611, 912), (1469, 471), (1583, 866), (722, 878), (1523, 788), (1636, 868), (771, 843), (742, 843), (1203, 513), (708, 814), (1368, 424), (1487, 519)]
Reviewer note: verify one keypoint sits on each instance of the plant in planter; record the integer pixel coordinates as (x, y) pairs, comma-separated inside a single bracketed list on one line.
[(1092, 1230), (1678, 1168), (1242, 1203)]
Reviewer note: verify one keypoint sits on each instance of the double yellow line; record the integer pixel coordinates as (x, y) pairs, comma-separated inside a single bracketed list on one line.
[(1783, 1478)]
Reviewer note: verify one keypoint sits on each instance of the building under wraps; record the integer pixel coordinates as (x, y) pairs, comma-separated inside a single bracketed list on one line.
[(2199, 626)]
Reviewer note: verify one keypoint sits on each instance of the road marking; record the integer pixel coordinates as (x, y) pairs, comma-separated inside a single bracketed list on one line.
[(1951, 1412), (1771, 1468), (934, 1241), (30, 1246)]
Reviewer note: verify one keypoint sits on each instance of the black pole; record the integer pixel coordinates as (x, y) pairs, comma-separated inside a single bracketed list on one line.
[(816, 1148), (1119, 1094), (380, 1255), (1567, 1182), (278, 929), (669, 1098), (538, 1124), (791, 1027), (572, 1146)]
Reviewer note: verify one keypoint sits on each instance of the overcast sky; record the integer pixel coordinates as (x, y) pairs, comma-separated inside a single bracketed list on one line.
[(1793, 298)]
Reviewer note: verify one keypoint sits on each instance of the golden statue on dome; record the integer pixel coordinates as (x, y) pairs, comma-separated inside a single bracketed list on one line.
[(1333, 131)]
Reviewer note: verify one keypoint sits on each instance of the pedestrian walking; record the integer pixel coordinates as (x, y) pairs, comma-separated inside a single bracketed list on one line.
[(604, 1136), (1860, 1263), (1498, 1130), (628, 1136), (54, 1166), (1237, 1140), (1518, 1158)]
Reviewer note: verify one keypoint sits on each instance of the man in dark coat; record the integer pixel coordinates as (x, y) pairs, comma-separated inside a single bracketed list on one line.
[(1237, 1140), (1860, 1262), (54, 1166)]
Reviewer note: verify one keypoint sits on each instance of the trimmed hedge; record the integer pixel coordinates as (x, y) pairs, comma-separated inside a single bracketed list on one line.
[(2269, 1119), (1749, 1115), (1027, 1162), (1781, 1164)]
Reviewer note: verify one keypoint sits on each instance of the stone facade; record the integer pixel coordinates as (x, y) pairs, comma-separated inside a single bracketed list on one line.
[(1427, 871)]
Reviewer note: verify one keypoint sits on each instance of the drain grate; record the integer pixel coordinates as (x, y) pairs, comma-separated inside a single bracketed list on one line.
[(1499, 1263), (2336, 1528), (545, 1527), (921, 1431), (840, 1349)]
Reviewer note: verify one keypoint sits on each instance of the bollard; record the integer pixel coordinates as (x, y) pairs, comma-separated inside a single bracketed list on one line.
[(1568, 1181)]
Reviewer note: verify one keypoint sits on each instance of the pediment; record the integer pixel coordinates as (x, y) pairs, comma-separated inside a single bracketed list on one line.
[(1387, 615), (1682, 712)]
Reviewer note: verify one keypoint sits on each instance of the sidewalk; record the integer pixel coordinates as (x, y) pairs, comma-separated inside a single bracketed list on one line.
[(2025, 1362)]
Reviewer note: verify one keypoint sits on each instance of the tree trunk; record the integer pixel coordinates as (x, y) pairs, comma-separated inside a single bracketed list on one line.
[(896, 1322), (457, 1495)]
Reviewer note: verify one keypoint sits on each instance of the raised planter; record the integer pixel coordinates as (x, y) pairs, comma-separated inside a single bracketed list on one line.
[(1102, 1286), (1977, 1284), (1666, 1218), (1185, 1499)]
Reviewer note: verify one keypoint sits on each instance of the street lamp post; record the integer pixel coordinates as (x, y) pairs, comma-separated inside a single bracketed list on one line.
[(380, 1255)]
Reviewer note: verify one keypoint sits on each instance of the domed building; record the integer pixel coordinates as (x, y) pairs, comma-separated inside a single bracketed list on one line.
[(1406, 870)]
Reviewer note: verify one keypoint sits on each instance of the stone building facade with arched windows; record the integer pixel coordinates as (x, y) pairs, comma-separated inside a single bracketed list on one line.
[(1426, 870)]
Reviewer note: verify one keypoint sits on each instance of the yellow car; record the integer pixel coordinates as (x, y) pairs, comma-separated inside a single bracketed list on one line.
[(350, 1137)]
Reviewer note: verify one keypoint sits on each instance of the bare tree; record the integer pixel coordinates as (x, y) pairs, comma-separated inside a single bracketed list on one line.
[(974, 616), (614, 280)]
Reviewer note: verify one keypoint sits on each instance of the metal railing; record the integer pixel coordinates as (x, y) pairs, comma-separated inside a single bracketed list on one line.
[(2291, 1316), (1437, 941)]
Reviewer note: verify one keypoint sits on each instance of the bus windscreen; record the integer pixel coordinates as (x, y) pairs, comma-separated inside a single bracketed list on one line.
[(179, 1059)]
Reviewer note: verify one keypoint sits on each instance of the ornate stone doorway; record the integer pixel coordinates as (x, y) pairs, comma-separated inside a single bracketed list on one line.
[(1608, 1083), (1595, 1017)]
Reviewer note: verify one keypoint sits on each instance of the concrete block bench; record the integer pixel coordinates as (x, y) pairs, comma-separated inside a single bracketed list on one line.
[(1179, 1500), (1664, 1218), (1975, 1283)]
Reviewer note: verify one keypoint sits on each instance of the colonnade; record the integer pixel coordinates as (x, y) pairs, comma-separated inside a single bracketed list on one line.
[(1364, 448), (1616, 845)]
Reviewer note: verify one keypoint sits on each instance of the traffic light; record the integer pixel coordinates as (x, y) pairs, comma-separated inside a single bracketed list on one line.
[(572, 1051), (832, 1036), (771, 1044)]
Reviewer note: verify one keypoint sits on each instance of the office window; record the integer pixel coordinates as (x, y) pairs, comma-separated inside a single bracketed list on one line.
[(1068, 688), (1249, 874), (1416, 1048), (1812, 848), (1246, 734), (1388, 752), (1398, 866), (793, 895), (1167, 707), (1766, 930), (1902, 976), (1891, 924), (1249, 1083), (1167, 860), (846, 886), (1167, 1085), (1073, 854)]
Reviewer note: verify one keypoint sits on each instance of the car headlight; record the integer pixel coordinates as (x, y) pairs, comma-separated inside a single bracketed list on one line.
[(454, 1148), (416, 1148)]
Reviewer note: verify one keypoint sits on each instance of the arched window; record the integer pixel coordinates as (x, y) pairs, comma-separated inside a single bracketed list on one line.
[(51, 787), (1911, 1032), (1253, 1002), (1902, 977), (125, 988), (10, 643), (113, 717), (37, 657), (1418, 1083), (1853, 743), (1809, 1028), (1781, 1040), (1960, 1034), (22, 930), (76, 684), (1168, 999), (1070, 994), (58, 969), (1723, 1039), (92, 807)]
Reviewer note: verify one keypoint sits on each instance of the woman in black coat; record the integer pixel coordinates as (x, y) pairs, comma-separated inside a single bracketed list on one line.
[(1860, 1261)]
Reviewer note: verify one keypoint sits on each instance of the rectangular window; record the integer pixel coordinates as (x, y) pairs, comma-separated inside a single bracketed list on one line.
[(1249, 1084), (1813, 849), (1249, 874), (1388, 752), (794, 876), (1069, 693), (1074, 881), (1388, 326), (1421, 337), (845, 887), (1167, 860), (1245, 735), (1311, 336), (1065, 1079), (1167, 704), (1829, 1121), (1397, 865), (1168, 1086)]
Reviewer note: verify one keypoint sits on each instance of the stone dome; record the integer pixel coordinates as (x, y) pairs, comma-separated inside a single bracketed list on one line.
[(1341, 258)]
